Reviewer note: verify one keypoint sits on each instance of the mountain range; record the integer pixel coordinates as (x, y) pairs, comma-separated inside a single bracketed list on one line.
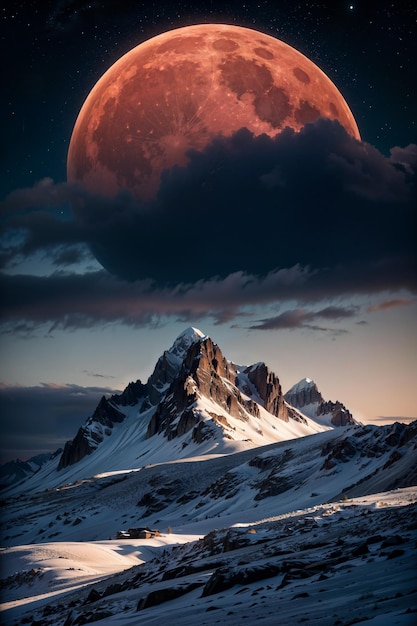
[(206, 495), (199, 401)]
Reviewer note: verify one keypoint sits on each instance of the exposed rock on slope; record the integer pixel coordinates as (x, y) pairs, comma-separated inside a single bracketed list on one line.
[(131, 395), (269, 389), (206, 373), (168, 366)]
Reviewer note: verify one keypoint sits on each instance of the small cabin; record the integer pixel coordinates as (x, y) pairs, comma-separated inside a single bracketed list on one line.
[(138, 533)]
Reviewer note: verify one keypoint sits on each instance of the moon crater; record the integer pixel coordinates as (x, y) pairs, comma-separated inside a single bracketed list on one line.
[(273, 107), (262, 52), (225, 45), (302, 76)]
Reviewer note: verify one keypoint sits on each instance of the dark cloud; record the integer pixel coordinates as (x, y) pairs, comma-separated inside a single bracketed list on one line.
[(307, 217), (300, 318), (253, 204), (45, 194), (82, 300), (38, 231), (247, 204), (43, 417), (64, 256), (71, 301)]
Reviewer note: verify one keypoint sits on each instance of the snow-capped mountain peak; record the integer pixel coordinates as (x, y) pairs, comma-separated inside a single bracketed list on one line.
[(306, 397), (302, 385), (184, 340)]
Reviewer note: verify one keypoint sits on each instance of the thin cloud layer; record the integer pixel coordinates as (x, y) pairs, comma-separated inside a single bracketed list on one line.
[(75, 301), (82, 300), (393, 303), (300, 318)]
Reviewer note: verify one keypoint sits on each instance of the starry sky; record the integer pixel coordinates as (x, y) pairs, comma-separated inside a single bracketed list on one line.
[(338, 304)]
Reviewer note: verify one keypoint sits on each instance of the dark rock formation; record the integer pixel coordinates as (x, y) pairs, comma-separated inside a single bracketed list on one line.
[(164, 595), (370, 442), (303, 393), (340, 415), (91, 434), (164, 373), (224, 578), (106, 414), (206, 372), (269, 389), (132, 393), (168, 366), (76, 449)]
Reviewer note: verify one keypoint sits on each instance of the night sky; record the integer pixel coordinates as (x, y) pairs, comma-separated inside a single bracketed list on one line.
[(325, 287)]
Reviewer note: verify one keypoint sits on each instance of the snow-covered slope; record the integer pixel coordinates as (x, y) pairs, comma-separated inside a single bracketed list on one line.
[(327, 513)]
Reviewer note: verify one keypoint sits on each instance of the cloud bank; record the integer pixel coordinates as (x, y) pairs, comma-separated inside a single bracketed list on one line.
[(305, 217), (43, 417)]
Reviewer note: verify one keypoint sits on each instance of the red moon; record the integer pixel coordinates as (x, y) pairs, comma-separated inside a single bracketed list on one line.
[(181, 89)]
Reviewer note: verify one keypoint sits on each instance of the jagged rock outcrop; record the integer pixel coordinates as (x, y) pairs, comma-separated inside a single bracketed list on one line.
[(168, 366), (370, 442), (340, 415), (132, 393), (269, 389), (164, 373), (106, 414)]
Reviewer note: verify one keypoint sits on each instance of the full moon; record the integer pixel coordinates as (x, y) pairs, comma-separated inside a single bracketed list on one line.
[(180, 90)]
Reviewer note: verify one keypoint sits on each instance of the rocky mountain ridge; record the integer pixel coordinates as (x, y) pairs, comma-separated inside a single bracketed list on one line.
[(15, 471), (194, 389)]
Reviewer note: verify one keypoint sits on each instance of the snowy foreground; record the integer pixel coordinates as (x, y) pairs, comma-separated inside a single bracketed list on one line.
[(283, 534), (341, 563)]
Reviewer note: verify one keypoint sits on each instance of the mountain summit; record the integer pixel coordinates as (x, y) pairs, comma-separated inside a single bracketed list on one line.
[(306, 397)]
